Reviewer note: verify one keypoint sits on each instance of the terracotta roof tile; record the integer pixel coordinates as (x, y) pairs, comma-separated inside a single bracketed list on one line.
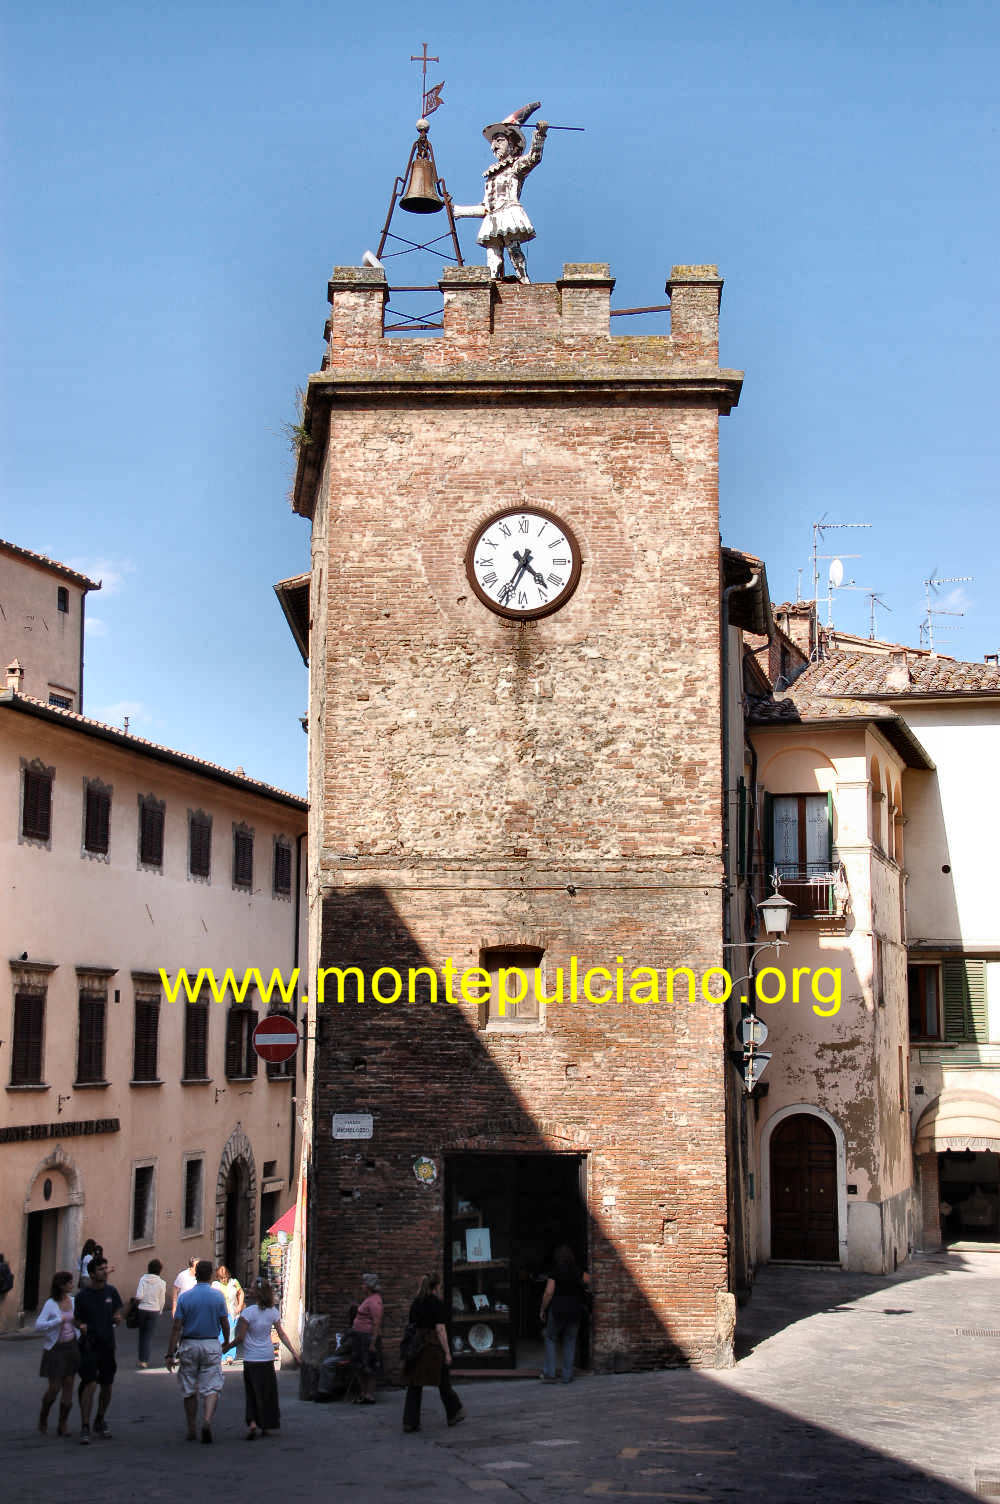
[(33, 706), (56, 568)]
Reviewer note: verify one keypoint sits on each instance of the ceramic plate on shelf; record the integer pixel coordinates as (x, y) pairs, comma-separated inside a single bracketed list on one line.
[(481, 1337)]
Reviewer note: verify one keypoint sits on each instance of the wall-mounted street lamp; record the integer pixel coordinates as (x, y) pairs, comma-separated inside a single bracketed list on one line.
[(775, 913)]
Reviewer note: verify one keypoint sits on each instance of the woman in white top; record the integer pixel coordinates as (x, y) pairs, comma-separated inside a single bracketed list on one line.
[(61, 1354), (150, 1295), (259, 1383), (86, 1254)]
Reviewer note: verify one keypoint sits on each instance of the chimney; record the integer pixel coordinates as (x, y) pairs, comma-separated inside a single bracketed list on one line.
[(15, 676), (991, 658), (897, 679)]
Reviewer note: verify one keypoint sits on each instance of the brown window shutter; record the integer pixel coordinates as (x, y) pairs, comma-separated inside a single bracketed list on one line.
[(147, 1029), (252, 1058), (282, 868), (242, 859), (195, 1041), (151, 836), (97, 825), (200, 853), (234, 1038), (90, 1044), (36, 822), (26, 1049)]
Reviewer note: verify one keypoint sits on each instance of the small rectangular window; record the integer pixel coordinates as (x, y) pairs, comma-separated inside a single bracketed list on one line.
[(513, 998), (90, 1037), (142, 1204), (26, 1046), (151, 815), (61, 702), (199, 844), (242, 858), (196, 1041), (147, 1038), (97, 819), (62, 598), (36, 809), (241, 1057), (282, 867), (194, 1175)]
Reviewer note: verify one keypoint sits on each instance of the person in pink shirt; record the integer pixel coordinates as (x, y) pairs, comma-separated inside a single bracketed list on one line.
[(365, 1334)]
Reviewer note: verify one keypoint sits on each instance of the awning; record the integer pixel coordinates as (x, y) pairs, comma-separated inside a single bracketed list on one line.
[(959, 1120), (285, 1223)]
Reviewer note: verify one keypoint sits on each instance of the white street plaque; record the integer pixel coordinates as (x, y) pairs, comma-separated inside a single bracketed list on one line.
[(353, 1125)]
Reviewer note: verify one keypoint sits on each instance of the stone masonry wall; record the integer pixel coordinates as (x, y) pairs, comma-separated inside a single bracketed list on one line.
[(555, 784)]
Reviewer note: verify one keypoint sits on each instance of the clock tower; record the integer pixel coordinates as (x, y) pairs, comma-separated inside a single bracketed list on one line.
[(516, 826)]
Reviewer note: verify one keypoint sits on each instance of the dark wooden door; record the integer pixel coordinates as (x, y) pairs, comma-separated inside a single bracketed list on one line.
[(804, 1190)]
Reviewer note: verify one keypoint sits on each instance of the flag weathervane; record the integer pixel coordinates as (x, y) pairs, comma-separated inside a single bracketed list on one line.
[(430, 99)]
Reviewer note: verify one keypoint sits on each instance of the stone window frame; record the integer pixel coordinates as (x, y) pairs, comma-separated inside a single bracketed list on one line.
[(148, 1238), (491, 957), (203, 816), (242, 829), (35, 765), (194, 1230), (283, 843), (102, 788), (94, 982), (30, 977), (150, 801)]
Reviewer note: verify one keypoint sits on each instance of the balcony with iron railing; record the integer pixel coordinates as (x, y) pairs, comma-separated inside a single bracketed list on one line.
[(819, 890)]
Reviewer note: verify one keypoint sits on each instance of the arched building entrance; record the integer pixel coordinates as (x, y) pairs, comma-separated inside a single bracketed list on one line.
[(803, 1161), (236, 1236), (53, 1219)]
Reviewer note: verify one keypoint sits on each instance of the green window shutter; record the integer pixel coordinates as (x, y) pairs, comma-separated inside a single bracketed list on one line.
[(964, 987)]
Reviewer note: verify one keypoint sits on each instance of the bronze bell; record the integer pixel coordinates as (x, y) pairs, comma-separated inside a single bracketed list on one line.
[(420, 195)]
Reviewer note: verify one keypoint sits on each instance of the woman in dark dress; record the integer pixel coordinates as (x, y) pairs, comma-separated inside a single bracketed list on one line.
[(432, 1364)]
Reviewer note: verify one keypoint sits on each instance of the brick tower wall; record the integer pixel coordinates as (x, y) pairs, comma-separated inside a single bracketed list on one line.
[(481, 783)]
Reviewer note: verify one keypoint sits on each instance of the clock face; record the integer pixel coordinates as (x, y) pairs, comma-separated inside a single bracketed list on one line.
[(523, 562)]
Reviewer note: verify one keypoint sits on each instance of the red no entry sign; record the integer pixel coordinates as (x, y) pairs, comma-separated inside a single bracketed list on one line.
[(276, 1038)]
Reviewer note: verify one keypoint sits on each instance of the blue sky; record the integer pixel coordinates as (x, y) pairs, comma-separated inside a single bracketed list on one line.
[(181, 180)]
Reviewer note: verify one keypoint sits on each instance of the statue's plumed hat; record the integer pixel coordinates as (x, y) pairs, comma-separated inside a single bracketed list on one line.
[(511, 125)]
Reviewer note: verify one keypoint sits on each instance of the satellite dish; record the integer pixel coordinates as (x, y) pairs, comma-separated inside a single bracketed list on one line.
[(836, 574)]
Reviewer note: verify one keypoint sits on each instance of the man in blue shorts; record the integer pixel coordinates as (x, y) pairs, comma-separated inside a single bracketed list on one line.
[(98, 1312), (200, 1319)]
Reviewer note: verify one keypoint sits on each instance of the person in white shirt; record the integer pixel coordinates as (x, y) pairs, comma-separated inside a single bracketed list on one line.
[(151, 1295), (61, 1354), (184, 1281), (86, 1254), (260, 1386)]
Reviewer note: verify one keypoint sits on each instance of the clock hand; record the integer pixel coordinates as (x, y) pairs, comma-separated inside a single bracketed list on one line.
[(526, 566)]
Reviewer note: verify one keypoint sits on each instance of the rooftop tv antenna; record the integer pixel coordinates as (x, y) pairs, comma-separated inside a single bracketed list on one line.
[(819, 529), (932, 589), (874, 600)]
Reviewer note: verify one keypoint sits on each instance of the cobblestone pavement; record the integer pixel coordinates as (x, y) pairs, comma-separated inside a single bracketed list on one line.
[(850, 1389)]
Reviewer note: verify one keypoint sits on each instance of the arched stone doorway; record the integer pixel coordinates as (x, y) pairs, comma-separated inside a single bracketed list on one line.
[(804, 1192), (53, 1222), (236, 1208)]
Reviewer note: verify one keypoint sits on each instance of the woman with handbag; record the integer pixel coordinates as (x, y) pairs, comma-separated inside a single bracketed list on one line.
[(61, 1355), (144, 1308), (428, 1359)]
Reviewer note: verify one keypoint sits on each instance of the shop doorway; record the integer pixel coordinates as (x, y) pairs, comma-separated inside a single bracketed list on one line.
[(804, 1190), (505, 1215), (969, 1195)]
